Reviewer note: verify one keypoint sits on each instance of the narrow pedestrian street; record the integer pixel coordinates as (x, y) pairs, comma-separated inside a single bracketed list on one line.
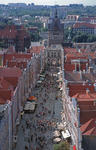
[(36, 130)]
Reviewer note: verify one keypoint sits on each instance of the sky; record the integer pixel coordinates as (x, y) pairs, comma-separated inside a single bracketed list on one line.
[(51, 2)]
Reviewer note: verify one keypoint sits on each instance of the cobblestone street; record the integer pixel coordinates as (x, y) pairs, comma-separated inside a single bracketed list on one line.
[(36, 129)]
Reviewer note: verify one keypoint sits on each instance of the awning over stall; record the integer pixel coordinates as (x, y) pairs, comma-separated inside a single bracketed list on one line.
[(38, 82), (29, 106), (32, 98), (65, 134)]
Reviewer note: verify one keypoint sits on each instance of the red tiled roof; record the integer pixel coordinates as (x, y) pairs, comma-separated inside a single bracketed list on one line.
[(80, 88), (69, 50), (36, 49), (82, 55), (87, 106), (70, 57), (69, 67), (88, 123), (85, 97), (2, 101), (20, 64), (87, 25), (8, 82), (76, 76), (86, 101), (11, 32), (4, 84), (10, 72), (12, 80), (5, 95), (78, 51), (16, 57)]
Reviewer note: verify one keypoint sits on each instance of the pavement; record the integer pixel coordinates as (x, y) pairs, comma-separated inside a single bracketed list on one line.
[(35, 131)]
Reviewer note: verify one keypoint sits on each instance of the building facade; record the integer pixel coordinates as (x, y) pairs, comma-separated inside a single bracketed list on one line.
[(10, 117), (53, 55), (15, 36), (87, 28)]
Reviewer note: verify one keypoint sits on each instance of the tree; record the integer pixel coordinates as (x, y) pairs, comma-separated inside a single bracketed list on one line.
[(83, 37), (91, 38), (62, 146), (35, 36), (80, 38)]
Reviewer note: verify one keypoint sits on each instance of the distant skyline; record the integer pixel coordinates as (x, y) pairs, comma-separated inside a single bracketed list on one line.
[(51, 2)]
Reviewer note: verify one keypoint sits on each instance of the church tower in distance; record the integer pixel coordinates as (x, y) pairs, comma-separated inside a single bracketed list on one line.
[(56, 30)]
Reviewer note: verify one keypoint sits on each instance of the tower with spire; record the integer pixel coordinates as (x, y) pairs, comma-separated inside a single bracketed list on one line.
[(56, 30)]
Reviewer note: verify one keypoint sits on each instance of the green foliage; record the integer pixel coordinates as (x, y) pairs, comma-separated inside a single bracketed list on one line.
[(91, 10), (2, 43), (0, 60), (78, 37), (81, 10), (82, 37), (44, 29), (35, 36), (28, 11), (35, 24), (91, 38), (66, 32), (62, 146)]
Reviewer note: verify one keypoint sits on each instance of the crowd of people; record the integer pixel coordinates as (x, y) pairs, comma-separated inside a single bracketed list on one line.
[(42, 123)]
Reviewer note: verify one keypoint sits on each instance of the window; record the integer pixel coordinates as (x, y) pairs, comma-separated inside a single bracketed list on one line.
[(58, 54), (48, 54), (52, 54), (55, 54)]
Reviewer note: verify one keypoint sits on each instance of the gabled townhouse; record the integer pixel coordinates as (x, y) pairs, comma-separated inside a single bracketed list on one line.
[(19, 60)]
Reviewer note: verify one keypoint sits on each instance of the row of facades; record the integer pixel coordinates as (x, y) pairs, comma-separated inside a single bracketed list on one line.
[(79, 97), (10, 109)]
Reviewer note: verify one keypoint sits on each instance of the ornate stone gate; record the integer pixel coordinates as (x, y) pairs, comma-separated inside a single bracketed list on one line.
[(53, 55)]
